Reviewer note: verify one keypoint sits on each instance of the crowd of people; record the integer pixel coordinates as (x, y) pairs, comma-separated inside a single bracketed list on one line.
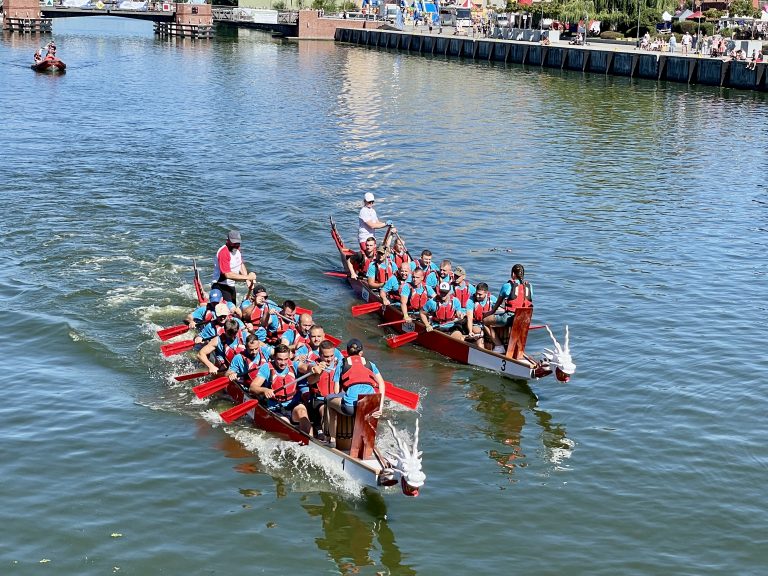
[(277, 353), (438, 294), (716, 46)]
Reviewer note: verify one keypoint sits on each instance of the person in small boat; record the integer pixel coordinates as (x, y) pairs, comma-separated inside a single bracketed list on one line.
[(462, 289), (354, 377), (368, 221), (414, 294), (51, 51), (358, 268), (430, 269), (299, 335), (219, 351), (276, 382), (479, 303), (229, 268), (380, 270), (204, 314), (322, 363), (245, 365), (443, 312), (257, 314), (38, 55), (390, 291), (515, 293)]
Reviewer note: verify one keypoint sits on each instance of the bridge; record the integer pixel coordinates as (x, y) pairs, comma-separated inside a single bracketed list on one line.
[(283, 22)]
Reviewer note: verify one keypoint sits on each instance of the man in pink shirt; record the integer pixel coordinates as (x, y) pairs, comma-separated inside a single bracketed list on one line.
[(228, 268)]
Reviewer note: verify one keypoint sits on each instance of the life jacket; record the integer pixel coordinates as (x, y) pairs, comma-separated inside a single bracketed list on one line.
[(232, 349), (462, 293), (383, 271), (283, 325), (401, 257), (355, 371), (260, 316), (445, 311), (484, 307), (299, 340), (518, 298), (256, 363), (415, 301), (283, 386)]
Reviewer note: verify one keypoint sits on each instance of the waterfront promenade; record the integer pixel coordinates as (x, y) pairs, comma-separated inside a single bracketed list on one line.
[(603, 58)]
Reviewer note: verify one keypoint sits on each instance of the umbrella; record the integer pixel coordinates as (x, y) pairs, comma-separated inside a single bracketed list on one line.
[(696, 16)]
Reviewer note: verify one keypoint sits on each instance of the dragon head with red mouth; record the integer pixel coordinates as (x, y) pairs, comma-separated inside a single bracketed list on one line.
[(408, 463)]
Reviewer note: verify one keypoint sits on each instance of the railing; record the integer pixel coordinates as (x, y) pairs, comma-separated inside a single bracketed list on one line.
[(231, 14), (108, 6)]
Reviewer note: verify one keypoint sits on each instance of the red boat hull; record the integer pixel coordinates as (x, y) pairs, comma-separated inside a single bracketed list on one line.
[(50, 65)]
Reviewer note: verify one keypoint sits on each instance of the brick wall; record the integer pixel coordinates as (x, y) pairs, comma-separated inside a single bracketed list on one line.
[(22, 8), (313, 27), (198, 14)]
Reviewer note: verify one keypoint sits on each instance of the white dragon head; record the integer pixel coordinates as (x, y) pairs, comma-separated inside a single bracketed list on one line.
[(408, 463), (560, 358)]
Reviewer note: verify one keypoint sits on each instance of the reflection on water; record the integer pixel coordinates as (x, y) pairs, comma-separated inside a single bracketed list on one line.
[(506, 420), (354, 530)]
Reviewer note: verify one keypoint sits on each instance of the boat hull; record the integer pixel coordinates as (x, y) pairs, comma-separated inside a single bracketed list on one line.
[(50, 66)]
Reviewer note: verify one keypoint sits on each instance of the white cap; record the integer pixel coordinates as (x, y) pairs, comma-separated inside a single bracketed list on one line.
[(221, 309), (444, 287), (369, 197)]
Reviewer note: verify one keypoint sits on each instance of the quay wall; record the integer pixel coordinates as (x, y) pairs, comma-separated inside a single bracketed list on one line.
[(616, 62)]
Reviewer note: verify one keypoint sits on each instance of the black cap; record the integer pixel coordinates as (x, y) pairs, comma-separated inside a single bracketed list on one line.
[(258, 289), (354, 346)]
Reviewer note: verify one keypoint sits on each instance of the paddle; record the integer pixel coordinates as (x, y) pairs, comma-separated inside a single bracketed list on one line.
[(361, 309), (400, 339), (401, 396), (191, 376), (233, 414), (336, 274), (201, 297), (168, 333), (177, 347), (300, 310), (396, 322), (211, 387)]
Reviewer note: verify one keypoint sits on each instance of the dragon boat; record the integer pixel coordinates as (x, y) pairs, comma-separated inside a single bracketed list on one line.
[(50, 65), (514, 363), (355, 455)]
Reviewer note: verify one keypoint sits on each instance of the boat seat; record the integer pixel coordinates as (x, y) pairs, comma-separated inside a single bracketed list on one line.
[(352, 433)]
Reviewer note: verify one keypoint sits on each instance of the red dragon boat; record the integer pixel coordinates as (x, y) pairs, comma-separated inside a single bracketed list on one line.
[(514, 363), (355, 455), (50, 65)]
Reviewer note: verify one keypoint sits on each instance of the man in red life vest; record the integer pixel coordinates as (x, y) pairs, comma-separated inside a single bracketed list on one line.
[(515, 293), (443, 312), (358, 268), (245, 365), (482, 301), (390, 292), (414, 294), (354, 377), (322, 364), (400, 253), (226, 344), (430, 269), (462, 289), (380, 270), (228, 268)]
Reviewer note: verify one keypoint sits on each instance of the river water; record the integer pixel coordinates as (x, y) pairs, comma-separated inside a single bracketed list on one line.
[(639, 210)]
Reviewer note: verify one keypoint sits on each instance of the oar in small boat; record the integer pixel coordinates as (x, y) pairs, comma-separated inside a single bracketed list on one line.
[(361, 309), (168, 333), (191, 376), (401, 395), (399, 339), (336, 274), (177, 347), (211, 387)]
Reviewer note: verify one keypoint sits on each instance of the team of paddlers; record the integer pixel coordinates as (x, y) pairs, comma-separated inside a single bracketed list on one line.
[(277, 352)]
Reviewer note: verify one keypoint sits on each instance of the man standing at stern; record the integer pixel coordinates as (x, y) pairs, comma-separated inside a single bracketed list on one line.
[(228, 268)]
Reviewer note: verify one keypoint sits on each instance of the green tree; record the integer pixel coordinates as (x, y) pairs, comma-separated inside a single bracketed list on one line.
[(742, 8)]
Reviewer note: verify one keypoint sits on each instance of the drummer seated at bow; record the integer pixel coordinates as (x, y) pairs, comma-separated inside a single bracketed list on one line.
[(515, 293), (443, 312), (390, 292), (245, 365), (354, 377), (380, 270), (359, 262), (229, 341), (275, 382), (322, 364), (205, 314)]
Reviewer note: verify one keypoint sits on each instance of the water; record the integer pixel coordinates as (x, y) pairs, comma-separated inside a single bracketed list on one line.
[(639, 210)]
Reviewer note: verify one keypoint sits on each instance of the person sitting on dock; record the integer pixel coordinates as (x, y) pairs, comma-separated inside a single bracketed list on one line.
[(229, 268), (482, 301), (515, 293), (380, 270), (354, 377), (275, 382), (245, 365), (391, 290), (443, 312), (368, 220), (219, 351)]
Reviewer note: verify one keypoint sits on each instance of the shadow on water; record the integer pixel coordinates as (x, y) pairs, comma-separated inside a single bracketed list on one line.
[(353, 529)]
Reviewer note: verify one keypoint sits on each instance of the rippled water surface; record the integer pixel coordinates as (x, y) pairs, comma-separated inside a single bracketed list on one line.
[(639, 209)]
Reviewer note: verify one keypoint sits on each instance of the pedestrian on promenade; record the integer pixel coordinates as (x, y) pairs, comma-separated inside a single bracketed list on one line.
[(672, 43)]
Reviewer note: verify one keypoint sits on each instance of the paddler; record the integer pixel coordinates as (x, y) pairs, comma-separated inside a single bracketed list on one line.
[(358, 263), (298, 335), (414, 294), (322, 364), (276, 382), (390, 292), (515, 293), (286, 319), (368, 221), (424, 262), (306, 352), (257, 314), (219, 351), (229, 268), (443, 312), (380, 269), (462, 289), (245, 365), (204, 314), (478, 304), (355, 377), (400, 253)]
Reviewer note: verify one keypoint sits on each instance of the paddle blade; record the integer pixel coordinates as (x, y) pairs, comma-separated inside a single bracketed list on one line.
[(241, 410), (300, 310), (335, 274), (177, 347), (401, 396), (333, 340), (400, 339), (168, 333), (192, 376), (205, 390), (361, 309), (202, 298)]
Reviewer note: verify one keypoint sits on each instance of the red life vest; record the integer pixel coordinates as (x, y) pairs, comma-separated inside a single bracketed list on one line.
[(462, 293), (324, 386), (256, 363), (445, 311), (237, 346), (283, 386), (384, 272), (260, 316), (282, 326), (401, 257), (484, 307), (354, 372), (208, 316), (415, 301), (518, 298)]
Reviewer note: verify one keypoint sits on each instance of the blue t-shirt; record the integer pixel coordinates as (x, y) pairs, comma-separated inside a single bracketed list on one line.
[(392, 288), (209, 330), (198, 315), (472, 304), (408, 288), (352, 393), (507, 290), (431, 307), (239, 364)]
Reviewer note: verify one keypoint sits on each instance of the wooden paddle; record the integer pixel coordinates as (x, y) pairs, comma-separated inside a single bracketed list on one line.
[(191, 376), (177, 347), (399, 339), (168, 333), (211, 387), (361, 309)]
